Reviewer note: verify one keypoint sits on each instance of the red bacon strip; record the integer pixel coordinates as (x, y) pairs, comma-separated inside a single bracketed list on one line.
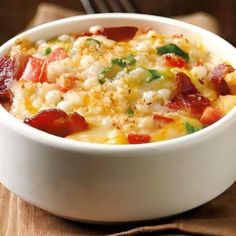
[(195, 103), (57, 122), (218, 78), (123, 33), (184, 84), (187, 96), (7, 73)]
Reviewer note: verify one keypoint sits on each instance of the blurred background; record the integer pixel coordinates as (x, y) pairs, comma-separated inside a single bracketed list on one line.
[(16, 15)]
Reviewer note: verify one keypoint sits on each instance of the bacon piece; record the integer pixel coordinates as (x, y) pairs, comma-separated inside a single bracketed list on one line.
[(57, 54), (173, 60), (210, 115), (184, 84), (218, 78), (123, 33), (138, 138), (7, 72), (77, 123), (57, 122), (187, 96), (195, 103)]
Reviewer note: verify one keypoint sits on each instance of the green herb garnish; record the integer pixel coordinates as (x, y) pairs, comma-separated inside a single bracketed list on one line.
[(101, 80), (92, 41), (191, 129), (172, 48), (110, 72), (123, 62), (119, 62), (130, 112), (117, 65), (130, 59), (153, 75), (47, 51)]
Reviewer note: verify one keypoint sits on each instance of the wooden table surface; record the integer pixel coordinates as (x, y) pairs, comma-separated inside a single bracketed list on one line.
[(18, 218)]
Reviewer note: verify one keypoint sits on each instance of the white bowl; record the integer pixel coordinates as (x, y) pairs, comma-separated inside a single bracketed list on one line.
[(108, 183)]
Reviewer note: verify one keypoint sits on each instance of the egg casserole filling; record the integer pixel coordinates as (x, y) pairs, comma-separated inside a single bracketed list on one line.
[(117, 85)]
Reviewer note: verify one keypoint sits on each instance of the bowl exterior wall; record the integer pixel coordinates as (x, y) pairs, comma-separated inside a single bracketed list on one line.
[(121, 187)]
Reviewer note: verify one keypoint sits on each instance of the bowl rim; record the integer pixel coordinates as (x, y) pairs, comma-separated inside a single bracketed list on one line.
[(67, 144)]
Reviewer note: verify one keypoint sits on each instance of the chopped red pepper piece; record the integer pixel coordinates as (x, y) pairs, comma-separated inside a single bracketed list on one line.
[(35, 70), (218, 78), (173, 60), (210, 115), (57, 54), (7, 73), (162, 119), (123, 33), (57, 122), (138, 138)]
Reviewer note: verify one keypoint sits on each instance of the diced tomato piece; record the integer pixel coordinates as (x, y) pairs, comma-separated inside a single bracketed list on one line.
[(123, 33), (184, 84), (7, 72), (35, 70), (210, 115), (162, 119), (57, 54), (138, 138), (57, 122), (218, 78), (173, 60), (21, 60)]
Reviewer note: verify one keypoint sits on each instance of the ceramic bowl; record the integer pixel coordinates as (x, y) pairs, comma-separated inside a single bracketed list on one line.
[(115, 183)]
